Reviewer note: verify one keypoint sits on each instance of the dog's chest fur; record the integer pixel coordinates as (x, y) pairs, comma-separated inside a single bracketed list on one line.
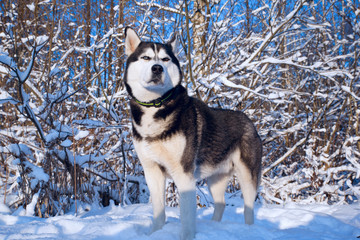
[(154, 140), (167, 153), (150, 126)]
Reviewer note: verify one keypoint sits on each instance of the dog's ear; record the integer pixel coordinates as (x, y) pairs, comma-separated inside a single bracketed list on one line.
[(173, 42), (132, 40)]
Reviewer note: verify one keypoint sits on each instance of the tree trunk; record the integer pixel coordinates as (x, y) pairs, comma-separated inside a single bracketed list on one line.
[(200, 22), (87, 37), (120, 50)]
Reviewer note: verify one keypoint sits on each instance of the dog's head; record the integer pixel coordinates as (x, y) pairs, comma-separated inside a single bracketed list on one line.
[(152, 69)]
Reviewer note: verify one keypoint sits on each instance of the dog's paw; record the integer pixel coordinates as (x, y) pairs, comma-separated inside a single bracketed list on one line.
[(187, 235), (156, 227)]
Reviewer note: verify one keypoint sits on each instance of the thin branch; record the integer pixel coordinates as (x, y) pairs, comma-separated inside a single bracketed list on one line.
[(160, 7)]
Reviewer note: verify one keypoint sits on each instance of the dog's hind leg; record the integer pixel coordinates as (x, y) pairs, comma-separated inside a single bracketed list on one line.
[(217, 185), (155, 179), (248, 185)]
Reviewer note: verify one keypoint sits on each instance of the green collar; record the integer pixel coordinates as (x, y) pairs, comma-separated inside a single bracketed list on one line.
[(157, 102)]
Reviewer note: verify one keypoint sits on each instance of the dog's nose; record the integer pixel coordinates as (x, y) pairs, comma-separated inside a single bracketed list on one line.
[(157, 69)]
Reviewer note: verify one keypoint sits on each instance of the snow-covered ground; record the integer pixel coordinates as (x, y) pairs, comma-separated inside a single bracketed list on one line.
[(133, 222)]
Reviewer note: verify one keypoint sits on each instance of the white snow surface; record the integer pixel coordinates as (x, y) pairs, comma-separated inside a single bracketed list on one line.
[(292, 221)]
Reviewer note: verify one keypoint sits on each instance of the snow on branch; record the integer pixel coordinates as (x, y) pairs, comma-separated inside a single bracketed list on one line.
[(238, 86), (273, 32), (6, 98), (22, 76), (285, 156), (160, 7)]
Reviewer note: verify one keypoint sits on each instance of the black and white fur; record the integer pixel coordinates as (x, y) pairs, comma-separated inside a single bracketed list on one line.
[(179, 136)]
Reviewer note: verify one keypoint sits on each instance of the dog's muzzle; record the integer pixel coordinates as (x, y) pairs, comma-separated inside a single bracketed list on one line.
[(157, 71)]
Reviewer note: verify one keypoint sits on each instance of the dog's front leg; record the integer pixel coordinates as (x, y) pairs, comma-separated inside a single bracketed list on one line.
[(186, 187), (155, 179)]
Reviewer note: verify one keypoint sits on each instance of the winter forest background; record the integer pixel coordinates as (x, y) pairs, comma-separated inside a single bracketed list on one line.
[(65, 129)]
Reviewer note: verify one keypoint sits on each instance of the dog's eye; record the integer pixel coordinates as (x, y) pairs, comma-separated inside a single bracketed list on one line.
[(165, 59), (146, 58)]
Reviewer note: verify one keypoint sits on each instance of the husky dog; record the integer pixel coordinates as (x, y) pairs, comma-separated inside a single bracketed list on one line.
[(179, 136)]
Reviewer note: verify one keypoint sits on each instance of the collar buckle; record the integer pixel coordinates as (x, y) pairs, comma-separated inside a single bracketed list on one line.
[(158, 102)]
